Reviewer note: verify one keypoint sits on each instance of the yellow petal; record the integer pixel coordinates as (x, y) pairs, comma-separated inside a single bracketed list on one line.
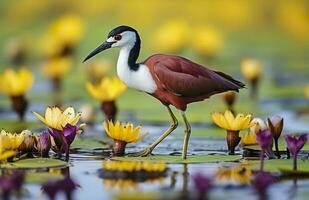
[(42, 119), (7, 154)]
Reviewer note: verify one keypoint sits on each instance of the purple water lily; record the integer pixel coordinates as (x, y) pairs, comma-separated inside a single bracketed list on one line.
[(64, 138), (295, 144), (261, 182), (11, 183), (66, 185), (44, 144), (264, 139), (202, 184)]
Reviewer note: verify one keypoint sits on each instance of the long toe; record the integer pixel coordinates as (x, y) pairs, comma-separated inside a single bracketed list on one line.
[(143, 153)]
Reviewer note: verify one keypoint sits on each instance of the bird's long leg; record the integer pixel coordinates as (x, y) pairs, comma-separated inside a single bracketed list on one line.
[(173, 126), (187, 136)]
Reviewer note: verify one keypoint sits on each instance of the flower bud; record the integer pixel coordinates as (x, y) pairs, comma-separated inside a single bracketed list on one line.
[(44, 144), (28, 143)]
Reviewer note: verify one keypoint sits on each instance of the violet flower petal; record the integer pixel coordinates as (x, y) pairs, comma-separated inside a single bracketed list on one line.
[(264, 139), (202, 183), (44, 143), (69, 132), (295, 144), (261, 181)]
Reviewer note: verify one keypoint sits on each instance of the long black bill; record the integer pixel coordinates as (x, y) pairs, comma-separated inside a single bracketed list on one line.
[(102, 47)]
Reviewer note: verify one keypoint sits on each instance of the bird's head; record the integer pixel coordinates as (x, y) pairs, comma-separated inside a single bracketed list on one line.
[(120, 36)]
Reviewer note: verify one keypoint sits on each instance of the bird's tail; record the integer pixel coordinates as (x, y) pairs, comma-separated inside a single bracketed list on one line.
[(236, 84)]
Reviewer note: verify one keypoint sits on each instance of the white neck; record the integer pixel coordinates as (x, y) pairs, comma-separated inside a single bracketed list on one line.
[(140, 79)]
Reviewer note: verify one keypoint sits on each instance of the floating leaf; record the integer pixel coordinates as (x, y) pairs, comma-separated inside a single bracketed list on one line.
[(177, 159), (41, 177), (294, 173), (274, 165), (18, 126), (34, 163), (89, 143)]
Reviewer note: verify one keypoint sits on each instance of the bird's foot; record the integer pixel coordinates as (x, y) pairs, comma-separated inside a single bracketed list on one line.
[(145, 152)]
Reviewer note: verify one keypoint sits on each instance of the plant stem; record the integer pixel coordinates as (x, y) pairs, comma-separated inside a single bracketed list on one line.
[(277, 148), (295, 162), (262, 160)]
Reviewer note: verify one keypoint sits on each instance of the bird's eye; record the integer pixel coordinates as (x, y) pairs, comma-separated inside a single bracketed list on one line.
[(117, 37)]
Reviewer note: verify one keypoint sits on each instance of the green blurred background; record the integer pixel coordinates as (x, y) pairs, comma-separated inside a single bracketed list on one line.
[(274, 32)]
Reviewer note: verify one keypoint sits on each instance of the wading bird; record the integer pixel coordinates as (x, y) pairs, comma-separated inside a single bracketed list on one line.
[(173, 80)]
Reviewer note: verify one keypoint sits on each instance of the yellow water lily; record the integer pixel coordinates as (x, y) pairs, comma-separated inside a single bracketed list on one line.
[(251, 69), (250, 137), (229, 122), (107, 90), (239, 174), (68, 29), (122, 134), (126, 133), (9, 143), (134, 166), (98, 70), (174, 37), (207, 41), (57, 119), (123, 184), (16, 83), (56, 67)]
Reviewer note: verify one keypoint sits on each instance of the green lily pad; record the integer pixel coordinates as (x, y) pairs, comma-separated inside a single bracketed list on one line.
[(178, 160), (276, 165), (34, 163), (41, 177), (89, 143), (18, 126), (290, 172)]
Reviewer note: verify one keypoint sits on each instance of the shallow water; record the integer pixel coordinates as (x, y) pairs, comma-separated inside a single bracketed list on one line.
[(84, 165)]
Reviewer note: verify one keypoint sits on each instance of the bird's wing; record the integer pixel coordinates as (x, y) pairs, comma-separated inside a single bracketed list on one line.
[(186, 78)]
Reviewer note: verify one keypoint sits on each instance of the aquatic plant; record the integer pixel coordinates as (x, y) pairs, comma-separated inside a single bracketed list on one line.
[(261, 182), (62, 127), (55, 69), (66, 185), (43, 144), (174, 38), (97, 70), (252, 71), (209, 43), (239, 174), (229, 99), (16, 51), (62, 36), (203, 184), (264, 139), (275, 124), (15, 84), (107, 91), (10, 183), (127, 166), (295, 144), (9, 144), (122, 134), (232, 125), (250, 137), (130, 170), (28, 144)]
